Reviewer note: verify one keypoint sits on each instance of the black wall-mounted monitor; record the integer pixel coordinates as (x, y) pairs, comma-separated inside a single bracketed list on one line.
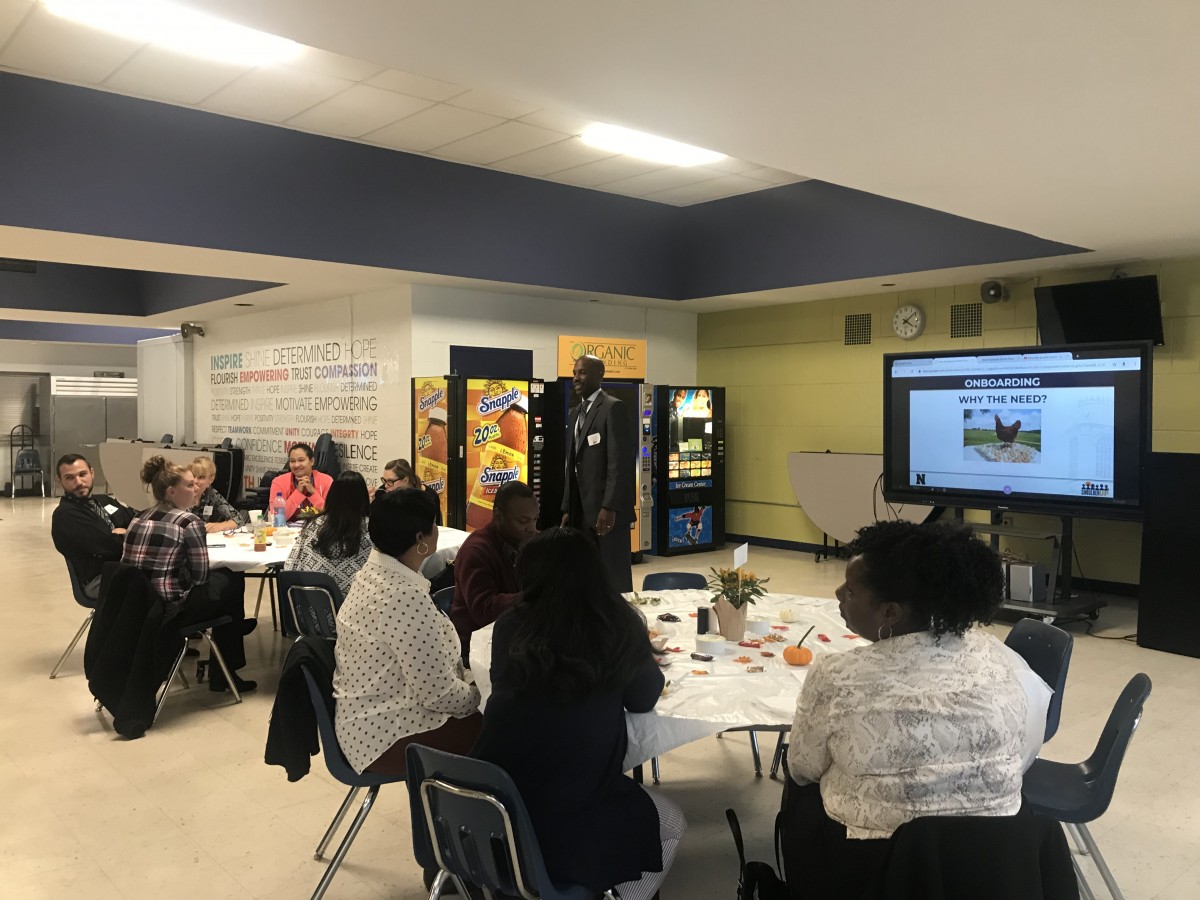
[(1058, 430), (1121, 309)]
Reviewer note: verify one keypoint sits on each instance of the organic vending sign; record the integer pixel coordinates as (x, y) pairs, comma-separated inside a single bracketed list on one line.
[(432, 451), (623, 357), (497, 439)]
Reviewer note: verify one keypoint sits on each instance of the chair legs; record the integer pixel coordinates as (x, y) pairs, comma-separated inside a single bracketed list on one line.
[(71, 646), (654, 773), (344, 846), (757, 756), (1085, 891), (176, 673), (267, 580), (1082, 834)]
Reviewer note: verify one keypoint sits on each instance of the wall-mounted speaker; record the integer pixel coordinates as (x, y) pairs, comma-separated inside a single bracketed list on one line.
[(993, 292)]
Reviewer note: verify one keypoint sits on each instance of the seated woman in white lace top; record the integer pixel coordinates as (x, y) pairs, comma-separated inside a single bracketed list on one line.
[(935, 717), (336, 542)]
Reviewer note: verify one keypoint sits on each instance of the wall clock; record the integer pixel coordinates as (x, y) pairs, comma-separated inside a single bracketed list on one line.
[(908, 322)]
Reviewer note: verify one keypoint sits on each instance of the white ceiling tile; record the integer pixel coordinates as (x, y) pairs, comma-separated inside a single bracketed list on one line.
[(431, 128), (415, 85), (567, 123), (497, 143), (713, 189), (552, 158), (733, 166), (358, 110), (11, 14), (493, 104), (274, 93), (325, 63), (661, 180), (164, 75), (56, 48), (605, 170), (774, 176)]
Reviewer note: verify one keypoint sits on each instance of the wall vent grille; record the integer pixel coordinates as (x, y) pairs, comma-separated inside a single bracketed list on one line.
[(858, 329), (966, 320), (84, 386)]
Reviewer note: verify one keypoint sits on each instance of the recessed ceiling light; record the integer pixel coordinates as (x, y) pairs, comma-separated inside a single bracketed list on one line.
[(178, 28), (243, 304), (616, 139)]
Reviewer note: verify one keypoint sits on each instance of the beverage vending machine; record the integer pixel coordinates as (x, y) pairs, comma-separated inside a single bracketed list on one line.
[(470, 437), (687, 462)]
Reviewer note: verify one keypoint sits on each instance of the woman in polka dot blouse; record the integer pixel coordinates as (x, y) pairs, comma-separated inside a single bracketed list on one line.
[(399, 677)]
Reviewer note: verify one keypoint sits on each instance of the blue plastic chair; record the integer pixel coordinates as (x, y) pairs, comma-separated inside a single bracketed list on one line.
[(1078, 793), (468, 821), (443, 599), (1048, 651), (87, 603), (340, 768), (674, 581), (312, 602)]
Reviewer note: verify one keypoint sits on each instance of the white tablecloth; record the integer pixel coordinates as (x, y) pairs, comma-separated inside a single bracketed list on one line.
[(236, 552), (696, 706)]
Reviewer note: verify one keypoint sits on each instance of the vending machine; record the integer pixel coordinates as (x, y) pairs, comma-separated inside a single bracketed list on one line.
[(687, 462), (470, 437)]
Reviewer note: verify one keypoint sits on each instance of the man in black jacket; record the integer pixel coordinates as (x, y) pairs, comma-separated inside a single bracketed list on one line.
[(88, 529)]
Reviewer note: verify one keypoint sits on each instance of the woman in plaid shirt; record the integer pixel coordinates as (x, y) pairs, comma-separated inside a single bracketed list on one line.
[(168, 543)]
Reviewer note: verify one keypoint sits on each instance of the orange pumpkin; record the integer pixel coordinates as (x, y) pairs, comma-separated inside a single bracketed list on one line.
[(797, 656)]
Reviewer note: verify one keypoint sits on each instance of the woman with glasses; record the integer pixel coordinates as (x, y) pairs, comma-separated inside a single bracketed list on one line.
[(399, 475)]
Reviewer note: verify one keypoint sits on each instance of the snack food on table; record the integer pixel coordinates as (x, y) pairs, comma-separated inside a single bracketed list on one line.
[(750, 643), (668, 617), (766, 653), (754, 668), (702, 657)]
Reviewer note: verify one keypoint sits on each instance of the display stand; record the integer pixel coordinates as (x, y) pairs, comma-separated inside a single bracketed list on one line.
[(1060, 570)]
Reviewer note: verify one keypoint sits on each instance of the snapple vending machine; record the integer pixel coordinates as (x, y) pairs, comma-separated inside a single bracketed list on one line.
[(472, 434), (689, 469)]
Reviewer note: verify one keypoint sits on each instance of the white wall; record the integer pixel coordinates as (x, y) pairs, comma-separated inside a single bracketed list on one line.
[(444, 316), (367, 415), (55, 358)]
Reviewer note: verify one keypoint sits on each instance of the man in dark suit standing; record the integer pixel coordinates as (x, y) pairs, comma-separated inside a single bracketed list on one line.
[(598, 496)]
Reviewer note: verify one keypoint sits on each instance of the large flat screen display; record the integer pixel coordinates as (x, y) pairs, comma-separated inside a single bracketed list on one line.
[(1050, 429)]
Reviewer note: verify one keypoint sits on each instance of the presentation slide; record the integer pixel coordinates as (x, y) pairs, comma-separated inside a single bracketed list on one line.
[(1052, 440)]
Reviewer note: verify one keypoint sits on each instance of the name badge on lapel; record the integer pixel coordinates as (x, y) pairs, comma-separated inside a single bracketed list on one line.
[(593, 439), (110, 508), (208, 510)]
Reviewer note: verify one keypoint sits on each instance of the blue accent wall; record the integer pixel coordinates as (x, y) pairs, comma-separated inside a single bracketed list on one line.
[(16, 330), (78, 160)]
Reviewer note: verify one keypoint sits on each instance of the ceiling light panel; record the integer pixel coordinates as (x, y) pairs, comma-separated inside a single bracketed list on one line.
[(178, 28), (649, 147)]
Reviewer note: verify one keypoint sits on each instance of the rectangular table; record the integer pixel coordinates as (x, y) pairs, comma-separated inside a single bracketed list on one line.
[(696, 706)]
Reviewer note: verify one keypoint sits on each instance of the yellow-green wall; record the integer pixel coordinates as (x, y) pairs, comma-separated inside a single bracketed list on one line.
[(793, 385)]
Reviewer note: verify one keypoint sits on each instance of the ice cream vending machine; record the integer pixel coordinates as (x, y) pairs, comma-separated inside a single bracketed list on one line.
[(470, 437), (687, 460)]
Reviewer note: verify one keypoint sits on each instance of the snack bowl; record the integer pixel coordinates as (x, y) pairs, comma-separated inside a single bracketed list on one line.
[(758, 625), (713, 644)]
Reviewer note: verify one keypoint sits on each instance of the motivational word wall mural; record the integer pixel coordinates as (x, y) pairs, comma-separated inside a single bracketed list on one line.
[(268, 395)]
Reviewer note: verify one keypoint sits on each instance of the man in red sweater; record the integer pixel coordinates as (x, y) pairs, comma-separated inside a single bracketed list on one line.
[(485, 577)]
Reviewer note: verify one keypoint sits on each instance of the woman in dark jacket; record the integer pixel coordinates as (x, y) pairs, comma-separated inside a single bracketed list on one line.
[(567, 662)]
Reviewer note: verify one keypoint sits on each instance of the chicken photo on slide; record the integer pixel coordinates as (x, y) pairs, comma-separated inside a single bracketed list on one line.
[(1007, 433)]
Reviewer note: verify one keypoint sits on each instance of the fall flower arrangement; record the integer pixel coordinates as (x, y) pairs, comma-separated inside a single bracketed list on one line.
[(736, 587)]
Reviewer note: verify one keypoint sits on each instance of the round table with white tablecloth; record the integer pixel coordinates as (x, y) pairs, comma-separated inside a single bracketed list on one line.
[(727, 695)]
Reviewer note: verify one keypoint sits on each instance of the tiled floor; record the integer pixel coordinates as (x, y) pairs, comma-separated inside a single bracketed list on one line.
[(192, 810)]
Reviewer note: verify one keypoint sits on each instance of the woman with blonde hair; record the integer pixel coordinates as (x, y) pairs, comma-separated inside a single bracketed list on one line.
[(167, 542), (214, 510)]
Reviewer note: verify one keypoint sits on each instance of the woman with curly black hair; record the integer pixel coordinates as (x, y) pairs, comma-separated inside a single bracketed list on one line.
[(935, 717)]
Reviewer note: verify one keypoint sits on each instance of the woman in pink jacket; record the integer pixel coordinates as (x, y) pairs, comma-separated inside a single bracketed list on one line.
[(302, 486)]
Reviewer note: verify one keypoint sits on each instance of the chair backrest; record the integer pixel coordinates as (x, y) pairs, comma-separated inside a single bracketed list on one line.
[(313, 599), (167, 439), (325, 457), (77, 588), (27, 460), (1100, 770), (1048, 651), (468, 819), (674, 581), (443, 599), (226, 443), (339, 767)]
